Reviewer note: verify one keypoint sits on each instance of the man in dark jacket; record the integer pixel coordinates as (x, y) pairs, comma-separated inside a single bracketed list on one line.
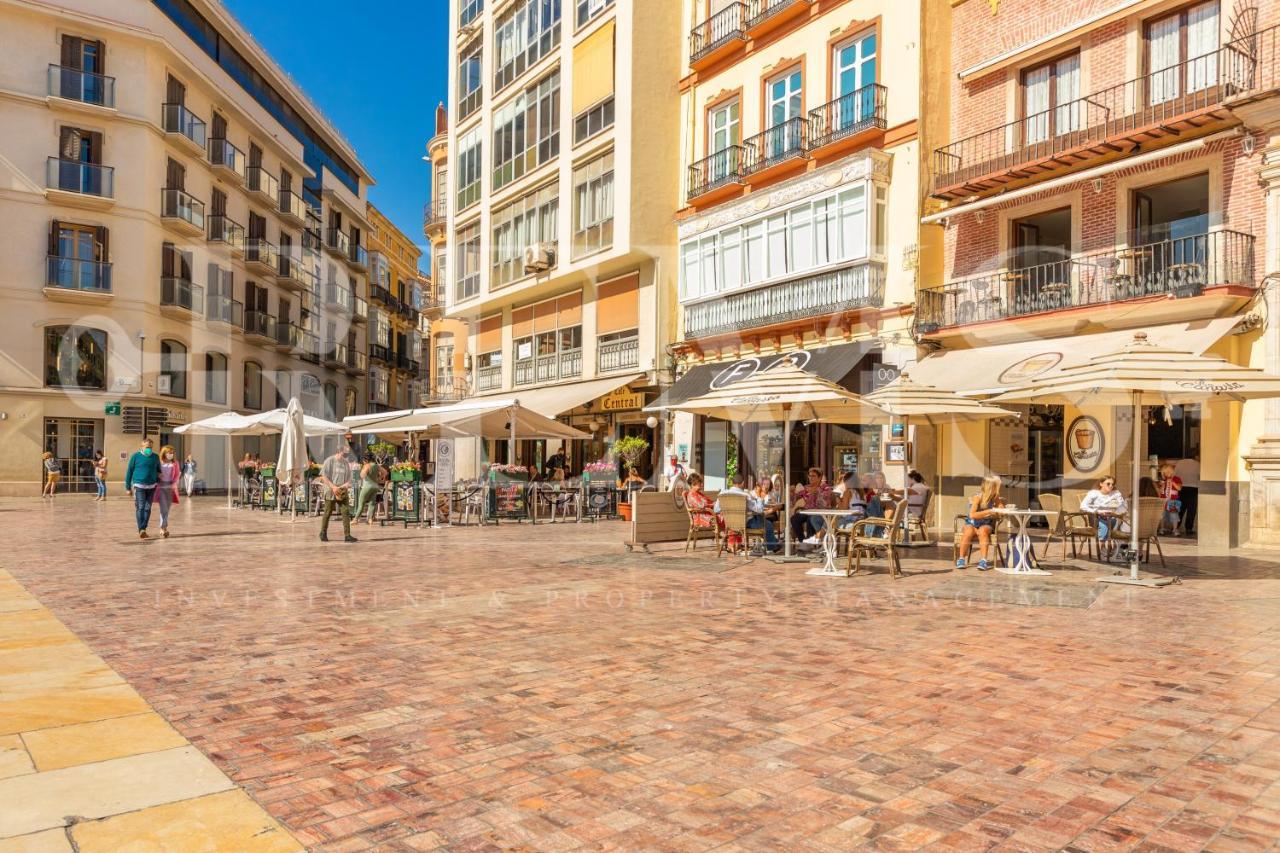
[(140, 479)]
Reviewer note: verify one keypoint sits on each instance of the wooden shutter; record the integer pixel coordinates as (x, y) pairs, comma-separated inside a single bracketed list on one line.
[(168, 261), (618, 305), (255, 156), (72, 52), (55, 228), (219, 127), (184, 270), (285, 310), (215, 281), (286, 181), (593, 68), (95, 147), (217, 203), (174, 91), (100, 244), (175, 175)]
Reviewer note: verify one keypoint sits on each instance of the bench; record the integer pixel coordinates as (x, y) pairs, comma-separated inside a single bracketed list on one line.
[(657, 517)]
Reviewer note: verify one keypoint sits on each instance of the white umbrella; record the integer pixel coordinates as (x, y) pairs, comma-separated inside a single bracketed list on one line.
[(291, 466), (276, 420), (226, 424), (1146, 374)]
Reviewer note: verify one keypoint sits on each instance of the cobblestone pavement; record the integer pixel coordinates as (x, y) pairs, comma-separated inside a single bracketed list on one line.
[(536, 687)]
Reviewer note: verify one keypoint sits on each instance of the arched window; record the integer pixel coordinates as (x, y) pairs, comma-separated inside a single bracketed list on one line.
[(330, 401), (172, 381), (215, 377), (75, 357), (252, 385)]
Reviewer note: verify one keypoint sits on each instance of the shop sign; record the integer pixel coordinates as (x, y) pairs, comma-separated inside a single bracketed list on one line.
[(1085, 444), (621, 400), (748, 367), (1030, 368)]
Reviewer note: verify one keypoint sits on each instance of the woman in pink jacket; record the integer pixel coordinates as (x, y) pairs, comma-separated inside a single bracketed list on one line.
[(165, 493)]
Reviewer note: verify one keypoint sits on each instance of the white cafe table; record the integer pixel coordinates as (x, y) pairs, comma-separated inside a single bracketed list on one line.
[(1020, 545), (828, 568)]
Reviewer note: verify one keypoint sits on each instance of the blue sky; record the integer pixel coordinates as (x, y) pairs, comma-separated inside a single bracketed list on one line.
[(377, 69)]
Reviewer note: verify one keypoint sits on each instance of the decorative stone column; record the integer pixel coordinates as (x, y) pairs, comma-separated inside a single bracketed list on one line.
[(1263, 458)]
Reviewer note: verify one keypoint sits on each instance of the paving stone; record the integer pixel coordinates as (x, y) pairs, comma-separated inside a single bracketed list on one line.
[(224, 821), (66, 746)]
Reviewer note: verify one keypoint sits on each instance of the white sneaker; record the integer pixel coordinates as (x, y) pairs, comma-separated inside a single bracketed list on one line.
[(813, 540)]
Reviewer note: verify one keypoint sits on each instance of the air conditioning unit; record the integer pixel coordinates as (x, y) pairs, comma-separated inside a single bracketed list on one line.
[(539, 258)]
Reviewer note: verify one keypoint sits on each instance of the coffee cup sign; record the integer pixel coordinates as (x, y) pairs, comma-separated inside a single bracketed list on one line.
[(1085, 444)]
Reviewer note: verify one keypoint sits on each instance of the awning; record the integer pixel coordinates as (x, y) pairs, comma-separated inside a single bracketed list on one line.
[(834, 364), (995, 369), (554, 400)]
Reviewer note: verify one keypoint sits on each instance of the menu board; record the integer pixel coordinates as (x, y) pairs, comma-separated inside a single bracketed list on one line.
[(1010, 451)]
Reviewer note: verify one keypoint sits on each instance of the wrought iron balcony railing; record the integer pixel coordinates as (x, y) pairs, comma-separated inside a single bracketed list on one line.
[(720, 29), (859, 110), (618, 354)]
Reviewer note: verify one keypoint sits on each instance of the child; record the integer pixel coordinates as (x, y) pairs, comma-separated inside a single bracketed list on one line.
[(1171, 491), (981, 522)]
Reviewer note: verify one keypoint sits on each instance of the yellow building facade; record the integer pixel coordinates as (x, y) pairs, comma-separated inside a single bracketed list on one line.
[(395, 296)]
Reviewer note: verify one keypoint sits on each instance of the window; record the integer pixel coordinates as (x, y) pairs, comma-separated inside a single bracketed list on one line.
[(593, 206), (330, 401), (78, 257), (469, 169), (785, 100), (807, 236), (215, 378), (468, 11), (523, 224), (468, 283), (527, 131), (444, 367), (854, 68), (442, 268), (1182, 52), (172, 380), (593, 121), (75, 357), (588, 9), (522, 36), (1050, 99), (252, 385), (725, 126), (381, 324), (469, 80)]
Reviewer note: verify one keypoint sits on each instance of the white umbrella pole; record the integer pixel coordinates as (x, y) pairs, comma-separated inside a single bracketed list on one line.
[(786, 484), (1133, 514), (229, 470), (906, 469)]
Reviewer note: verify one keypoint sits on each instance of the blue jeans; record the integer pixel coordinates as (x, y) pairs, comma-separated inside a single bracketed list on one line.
[(102, 486), (142, 507), (756, 522)]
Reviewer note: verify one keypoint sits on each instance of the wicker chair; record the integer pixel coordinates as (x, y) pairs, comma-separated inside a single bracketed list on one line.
[(919, 521), (1150, 511), (696, 532), (869, 537), (957, 533), (733, 513)]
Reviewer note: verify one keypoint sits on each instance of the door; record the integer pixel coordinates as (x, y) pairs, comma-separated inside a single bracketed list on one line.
[(1050, 99), (80, 153), (1182, 53), (785, 102), (640, 430), (855, 72), (78, 250), (82, 70), (72, 441)]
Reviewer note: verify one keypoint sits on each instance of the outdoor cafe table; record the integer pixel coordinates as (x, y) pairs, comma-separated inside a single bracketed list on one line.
[(828, 567), (1020, 546)]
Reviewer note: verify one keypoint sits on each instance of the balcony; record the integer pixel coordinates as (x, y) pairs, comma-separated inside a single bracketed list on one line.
[(1177, 268), (1173, 104), (180, 298), (618, 354), (381, 295), (310, 348), (292, 208), (334, 355), (182, 212), (766, 15), (184, 127), (228, 232), (847, 117), (523, 372), (226, 311), (290, 274), (337, 242), (719, 175), (75, 280), (381, 353), (227, 160), (260, 327), (719, 35), (489, 378), (357, 363), (258, 180), (407, 364), (780, 145), (434, 218), (357, 257), (87, 184), (289, 337), (448, 388), (837, 291), (359, 310), (82, 87), (261, 256), (338, 298), (563, 365)]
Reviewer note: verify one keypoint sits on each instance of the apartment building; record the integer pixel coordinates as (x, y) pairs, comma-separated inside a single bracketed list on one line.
[(562, 188), (800, 196), (1108, 172), (446, 338), (165, 185), (396, 360)]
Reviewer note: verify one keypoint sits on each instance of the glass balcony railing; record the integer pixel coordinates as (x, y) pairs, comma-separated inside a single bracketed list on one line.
[(225, 155), (83, 86), (292, 205), (337, 239), (223, 229), (263, 253), (260, 324), (182, 205), (73, 176), (179, 119), (358, 255), (78, 275), (180, 293), (260, 180), (224, 309)]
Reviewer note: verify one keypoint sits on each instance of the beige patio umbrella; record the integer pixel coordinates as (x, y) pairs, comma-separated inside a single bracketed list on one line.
[(1146, 374), (782, 394), (910, 401)]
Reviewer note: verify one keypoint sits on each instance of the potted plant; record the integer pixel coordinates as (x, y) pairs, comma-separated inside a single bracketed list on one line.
[(631, 450), (600, 470), (405, 472)]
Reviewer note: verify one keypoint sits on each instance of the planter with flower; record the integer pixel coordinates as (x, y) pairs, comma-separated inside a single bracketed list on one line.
[(407, 471), (601, 471)]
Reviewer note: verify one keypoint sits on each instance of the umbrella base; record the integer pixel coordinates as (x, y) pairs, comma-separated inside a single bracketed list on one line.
[(780, 558), (1132, 581)]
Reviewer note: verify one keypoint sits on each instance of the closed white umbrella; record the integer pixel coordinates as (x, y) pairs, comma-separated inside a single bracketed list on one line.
[(1146, 374), (291, 465)]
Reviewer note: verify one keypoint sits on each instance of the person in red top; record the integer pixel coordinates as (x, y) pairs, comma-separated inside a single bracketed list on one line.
[(815, 494), (1170, 491)]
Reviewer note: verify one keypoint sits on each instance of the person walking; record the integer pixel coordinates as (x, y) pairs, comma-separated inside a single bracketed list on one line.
[(189, 474), (165, 494), (335, 476), (100, 474), (368, 482), (52, 473), (140, 479)]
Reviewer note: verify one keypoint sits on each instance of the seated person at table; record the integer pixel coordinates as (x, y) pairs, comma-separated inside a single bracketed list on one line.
[(737, 486), (1108, 504), (762, 509), (917, 493), (634, 481), (816, 494), (702, 513), (981, 522)]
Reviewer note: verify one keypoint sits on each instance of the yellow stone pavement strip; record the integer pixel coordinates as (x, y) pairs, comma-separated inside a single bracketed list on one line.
[(79, 748)]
